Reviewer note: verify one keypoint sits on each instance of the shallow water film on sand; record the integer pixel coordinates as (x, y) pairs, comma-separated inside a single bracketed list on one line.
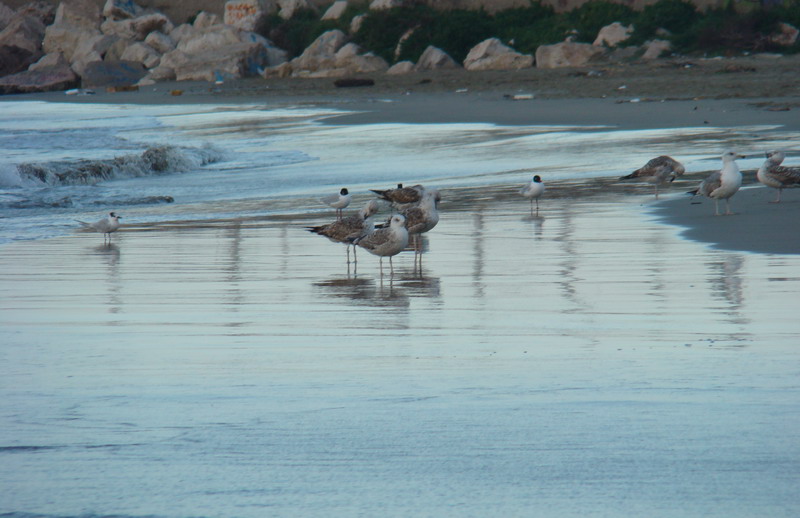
[(218, 360)]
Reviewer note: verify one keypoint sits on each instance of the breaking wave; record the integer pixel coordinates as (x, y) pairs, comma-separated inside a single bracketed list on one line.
[(156, 160)]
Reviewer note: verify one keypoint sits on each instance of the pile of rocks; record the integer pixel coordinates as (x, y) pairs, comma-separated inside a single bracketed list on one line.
[(122, 44)]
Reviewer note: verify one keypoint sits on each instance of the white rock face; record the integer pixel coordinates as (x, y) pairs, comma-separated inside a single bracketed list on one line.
[(378, 5), (322, 53), (613, 34), (247, 14), (90, 49), (50, 60), (786, 35), (204, 19), (229, 62), (138, 28), (566, 54), (491, 54), (78, 13), (434, 58), (288, 8), (160, 42), (336, 10), (143, 53), (355, 23), (209, 38), (402, 67), (655, 49)]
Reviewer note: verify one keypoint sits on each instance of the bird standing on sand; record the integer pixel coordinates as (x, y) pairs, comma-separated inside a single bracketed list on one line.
[(722, 184), (337, 201), (349, 228), (402, 197), (658, 171), (773, 174), (106, 225), (533, 191), (386, 242)]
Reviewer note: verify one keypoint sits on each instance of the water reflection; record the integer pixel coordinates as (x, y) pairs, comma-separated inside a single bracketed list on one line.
[(725, 279), (110, 255)]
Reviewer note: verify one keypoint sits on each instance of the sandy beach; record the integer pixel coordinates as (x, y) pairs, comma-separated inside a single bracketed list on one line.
[(612, 355)]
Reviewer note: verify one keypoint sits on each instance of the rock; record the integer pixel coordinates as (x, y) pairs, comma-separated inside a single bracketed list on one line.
[(378, 5), (229, 62), (25, 32), (336, 10), (247, 14), (350, 60), (46, 79), (321, 54), (288, 8), (355, 23), (655, 49), (50, 60), (64, 38), (181, 32), (275, 55), (78, 13), (161, 73), (786, 36), (14, 59), (282, 70), (434, 58), (6, 14), (566, 54), (115, 51), (90, 49), (112, 73), (121, 9), (402, 67), (138, 28), (212, 37), (160, 42), (613, 34), (143, 53), (204, 19), (491, 54)]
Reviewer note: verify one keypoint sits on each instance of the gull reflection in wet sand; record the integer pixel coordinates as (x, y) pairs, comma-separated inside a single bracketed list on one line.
[(725, 278), (109, 253), (394, 292)]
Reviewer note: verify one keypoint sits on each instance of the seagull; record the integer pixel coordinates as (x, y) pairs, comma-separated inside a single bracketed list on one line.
[(402, 196), (722, 184), (533, 191), (350, 228), (658, 171), (773, 174), (421, 218), (386, 242), (106, 225), (337, 201)]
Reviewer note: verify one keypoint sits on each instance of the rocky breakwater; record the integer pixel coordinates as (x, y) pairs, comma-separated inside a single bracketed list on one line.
[(78, 44)]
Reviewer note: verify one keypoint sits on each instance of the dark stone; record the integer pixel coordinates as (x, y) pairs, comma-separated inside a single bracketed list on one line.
[(14, 59), (353, 82), (112, 73), (46, 79)]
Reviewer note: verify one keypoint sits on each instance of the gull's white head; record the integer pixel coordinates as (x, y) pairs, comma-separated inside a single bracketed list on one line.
[(776, 157), (397, 221), (730, 156)]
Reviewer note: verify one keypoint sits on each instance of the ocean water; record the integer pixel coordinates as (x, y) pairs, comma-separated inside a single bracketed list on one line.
[(64, 161), (216, 360)]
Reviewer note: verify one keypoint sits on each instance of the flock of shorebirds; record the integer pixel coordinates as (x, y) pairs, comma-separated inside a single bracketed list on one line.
[(415, 208)]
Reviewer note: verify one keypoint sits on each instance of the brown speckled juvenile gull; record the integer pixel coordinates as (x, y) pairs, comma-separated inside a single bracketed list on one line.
[(388, 241), (773, 174), (658, 171), (349, 228), (402, 196)]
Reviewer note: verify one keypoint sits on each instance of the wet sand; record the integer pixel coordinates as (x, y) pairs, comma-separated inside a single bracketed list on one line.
[(585, 361)]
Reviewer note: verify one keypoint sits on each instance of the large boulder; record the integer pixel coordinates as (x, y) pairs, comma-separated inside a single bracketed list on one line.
[(201, 40), (14, 59), (112, 73), (655, 49), (121, 9), (567, 54), (50, 60), (25, 32), (379, 5), (247, 14), (6, 14), (401, 67), (160, 42), (83, 14), (229, 62), (336, 10), (90, 49), (142, 53), (434, 58), (352, 60), (785, 36), (205, 19), (321, 54), (138, 28), (288, 8), (491, 54), (46, 79), (612, 35)]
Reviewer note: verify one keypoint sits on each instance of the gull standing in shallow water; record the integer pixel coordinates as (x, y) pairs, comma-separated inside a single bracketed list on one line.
[(402, 196), (422, 218), (773, 174), (534, 191), (337, 201), (106, 225), (722, 184), (349, 228), (658, 171), (386, 242)]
